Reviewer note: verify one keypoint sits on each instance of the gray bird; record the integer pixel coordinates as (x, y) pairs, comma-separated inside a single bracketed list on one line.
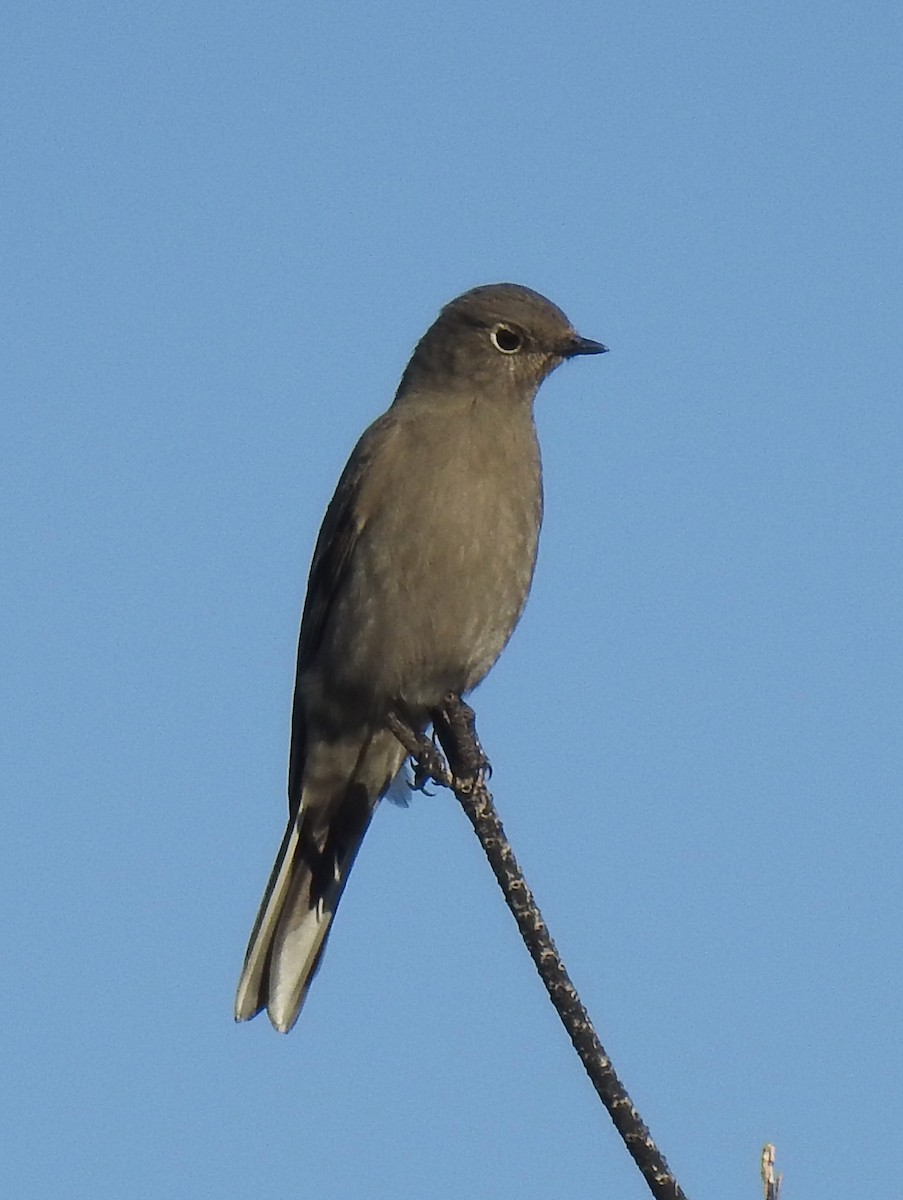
[(419, 576)]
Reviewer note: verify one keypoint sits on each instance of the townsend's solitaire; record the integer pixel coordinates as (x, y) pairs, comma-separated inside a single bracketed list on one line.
[(419, 576)]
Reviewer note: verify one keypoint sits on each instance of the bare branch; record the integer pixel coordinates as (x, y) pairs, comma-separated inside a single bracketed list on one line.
[(770, 1182), (466, 775)]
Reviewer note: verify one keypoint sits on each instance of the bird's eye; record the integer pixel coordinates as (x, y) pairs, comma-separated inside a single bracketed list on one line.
[(506, 339)]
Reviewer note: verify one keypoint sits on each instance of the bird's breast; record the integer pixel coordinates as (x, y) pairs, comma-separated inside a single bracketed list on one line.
[(443, 566)]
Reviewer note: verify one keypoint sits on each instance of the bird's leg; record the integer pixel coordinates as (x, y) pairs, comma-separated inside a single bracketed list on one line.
[(428, 762), (455, 724)]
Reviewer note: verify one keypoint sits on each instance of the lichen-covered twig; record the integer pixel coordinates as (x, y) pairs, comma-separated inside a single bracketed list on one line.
[(466, 775), (771, 1180)]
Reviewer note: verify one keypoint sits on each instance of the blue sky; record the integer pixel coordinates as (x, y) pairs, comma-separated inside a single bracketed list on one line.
[(224, 227)]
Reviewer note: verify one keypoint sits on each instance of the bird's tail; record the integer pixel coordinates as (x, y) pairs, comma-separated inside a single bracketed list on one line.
[(300, 900)]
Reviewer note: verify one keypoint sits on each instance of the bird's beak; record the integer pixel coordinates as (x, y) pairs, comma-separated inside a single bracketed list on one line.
[(581, 345)]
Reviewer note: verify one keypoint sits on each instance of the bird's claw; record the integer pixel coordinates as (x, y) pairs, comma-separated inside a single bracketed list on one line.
[(426, 757), (455, 725)]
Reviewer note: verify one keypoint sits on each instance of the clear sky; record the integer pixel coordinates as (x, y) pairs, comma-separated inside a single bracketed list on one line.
[(224, 227)]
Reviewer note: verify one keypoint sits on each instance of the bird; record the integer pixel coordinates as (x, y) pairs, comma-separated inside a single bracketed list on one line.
[(420, 573)]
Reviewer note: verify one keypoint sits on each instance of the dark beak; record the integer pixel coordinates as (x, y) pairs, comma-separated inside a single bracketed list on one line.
[(581, 345)]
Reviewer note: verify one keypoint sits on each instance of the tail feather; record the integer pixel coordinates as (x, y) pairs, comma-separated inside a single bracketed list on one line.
[(343, 782), (292, 926), (251, 997), (299, 942)]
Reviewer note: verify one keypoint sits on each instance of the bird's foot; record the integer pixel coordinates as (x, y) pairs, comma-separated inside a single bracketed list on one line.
[(428, 761), (455, 726)]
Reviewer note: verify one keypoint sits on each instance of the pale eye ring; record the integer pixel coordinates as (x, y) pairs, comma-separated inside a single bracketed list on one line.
[(506, 339)]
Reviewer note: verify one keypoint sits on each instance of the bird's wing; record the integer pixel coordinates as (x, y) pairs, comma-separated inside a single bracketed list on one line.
[(345, 519)]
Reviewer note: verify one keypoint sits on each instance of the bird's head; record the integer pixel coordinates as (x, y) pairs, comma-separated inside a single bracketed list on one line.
[(499, 336)]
